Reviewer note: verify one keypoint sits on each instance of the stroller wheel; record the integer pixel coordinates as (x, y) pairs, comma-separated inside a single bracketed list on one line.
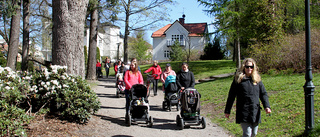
[(164, 104), (181, 126), (129, 121), (203, 121), (150, 121), (178, 120), (117, 94)]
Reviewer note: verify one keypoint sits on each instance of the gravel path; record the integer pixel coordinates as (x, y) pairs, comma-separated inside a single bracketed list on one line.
[(112, 112)]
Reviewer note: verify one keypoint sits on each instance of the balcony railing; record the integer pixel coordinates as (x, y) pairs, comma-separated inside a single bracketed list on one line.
[(171, 42)]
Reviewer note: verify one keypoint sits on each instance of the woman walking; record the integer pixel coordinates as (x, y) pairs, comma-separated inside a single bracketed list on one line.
[(185, 78), (156, 71), (131, 77), (248, 88)]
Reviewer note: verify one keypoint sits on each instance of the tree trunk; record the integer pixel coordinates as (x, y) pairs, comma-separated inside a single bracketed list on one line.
[(237, 41), (126, 33), (68, 33), (14, 36), (91, 68), (238, 57), (26, 27)]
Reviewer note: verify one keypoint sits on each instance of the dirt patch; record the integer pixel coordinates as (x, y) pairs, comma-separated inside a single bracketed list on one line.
[(52, 126)]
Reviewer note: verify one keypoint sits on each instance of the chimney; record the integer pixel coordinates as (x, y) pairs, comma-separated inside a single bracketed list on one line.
[(181, 20)]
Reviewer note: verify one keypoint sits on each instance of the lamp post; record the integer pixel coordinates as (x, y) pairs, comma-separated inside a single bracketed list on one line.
[(118, 50), (308, 87)]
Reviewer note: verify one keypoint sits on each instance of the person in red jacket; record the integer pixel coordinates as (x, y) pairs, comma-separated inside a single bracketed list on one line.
[(116, 67), (156, 71), (98, 69)]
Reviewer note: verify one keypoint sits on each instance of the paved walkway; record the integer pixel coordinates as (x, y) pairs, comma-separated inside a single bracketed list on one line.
[(113, 111)]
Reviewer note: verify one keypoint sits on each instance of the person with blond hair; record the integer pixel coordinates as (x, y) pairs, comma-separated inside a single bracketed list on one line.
[(247, 88)]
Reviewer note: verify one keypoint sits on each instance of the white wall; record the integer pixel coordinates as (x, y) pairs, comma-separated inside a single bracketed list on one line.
[(108, 42), (160, 43)]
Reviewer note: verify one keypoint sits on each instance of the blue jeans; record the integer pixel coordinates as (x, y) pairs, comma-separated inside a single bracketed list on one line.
[(126, 92), (249, 129)]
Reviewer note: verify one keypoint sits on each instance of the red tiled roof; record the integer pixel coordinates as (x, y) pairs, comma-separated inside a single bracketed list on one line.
[(159, 33), (195, 29)]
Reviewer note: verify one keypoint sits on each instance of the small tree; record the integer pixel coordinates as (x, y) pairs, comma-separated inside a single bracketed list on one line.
[(176, 53), (139, 47), (213, 51)]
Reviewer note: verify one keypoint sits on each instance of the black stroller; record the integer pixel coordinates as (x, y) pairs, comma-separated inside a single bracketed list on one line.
[(190, 109), (171, 95), (139, 105)]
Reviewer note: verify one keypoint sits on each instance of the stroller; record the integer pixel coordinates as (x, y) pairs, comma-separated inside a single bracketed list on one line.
[(171, 96), (190, 109), (139, 105), (120, 85)]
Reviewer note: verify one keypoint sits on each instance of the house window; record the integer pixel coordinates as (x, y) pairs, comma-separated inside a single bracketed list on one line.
[(177, 37), (167, 54), (100, 42)]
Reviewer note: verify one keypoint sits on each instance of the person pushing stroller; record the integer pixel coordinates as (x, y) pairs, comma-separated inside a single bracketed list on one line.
[(185, 78), (168, 78)]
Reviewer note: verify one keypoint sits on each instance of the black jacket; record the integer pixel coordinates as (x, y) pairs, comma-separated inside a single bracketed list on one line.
[(247, 104), (185, 79)]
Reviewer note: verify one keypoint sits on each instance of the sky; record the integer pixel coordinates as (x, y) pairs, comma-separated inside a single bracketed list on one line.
[(193, 11), (191, 8)]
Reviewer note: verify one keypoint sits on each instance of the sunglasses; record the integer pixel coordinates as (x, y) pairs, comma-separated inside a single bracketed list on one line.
[(249, 67)]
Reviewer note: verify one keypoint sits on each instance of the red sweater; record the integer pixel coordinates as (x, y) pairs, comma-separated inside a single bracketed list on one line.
[(155, 70), (98, 64), (131, 79)]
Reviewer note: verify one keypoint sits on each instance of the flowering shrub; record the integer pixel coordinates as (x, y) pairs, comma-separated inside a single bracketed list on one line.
[(13, 91), (67, 96)]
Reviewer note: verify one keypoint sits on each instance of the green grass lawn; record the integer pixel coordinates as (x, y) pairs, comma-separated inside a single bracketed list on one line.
[(286, 96)]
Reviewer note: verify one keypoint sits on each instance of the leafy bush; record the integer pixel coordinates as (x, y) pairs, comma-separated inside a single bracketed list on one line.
[(52, 89), (290, 52), (68, 96)]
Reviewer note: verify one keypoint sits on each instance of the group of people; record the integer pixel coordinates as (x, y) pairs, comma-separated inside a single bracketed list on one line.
[(247, 88), (107, 63), (185, 78)]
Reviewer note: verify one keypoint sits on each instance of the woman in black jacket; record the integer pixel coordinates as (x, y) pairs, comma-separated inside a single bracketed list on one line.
[(248, 88), (185, 78)]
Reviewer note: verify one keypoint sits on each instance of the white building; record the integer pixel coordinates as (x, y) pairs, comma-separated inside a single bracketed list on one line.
[(192, 34), (109, 41)]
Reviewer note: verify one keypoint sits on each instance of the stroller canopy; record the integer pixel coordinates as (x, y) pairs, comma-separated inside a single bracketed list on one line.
[(139, 90), (169, 79)]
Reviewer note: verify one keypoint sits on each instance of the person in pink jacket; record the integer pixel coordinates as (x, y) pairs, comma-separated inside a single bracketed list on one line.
[(131, 77), (156, 71), (168, 71)]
